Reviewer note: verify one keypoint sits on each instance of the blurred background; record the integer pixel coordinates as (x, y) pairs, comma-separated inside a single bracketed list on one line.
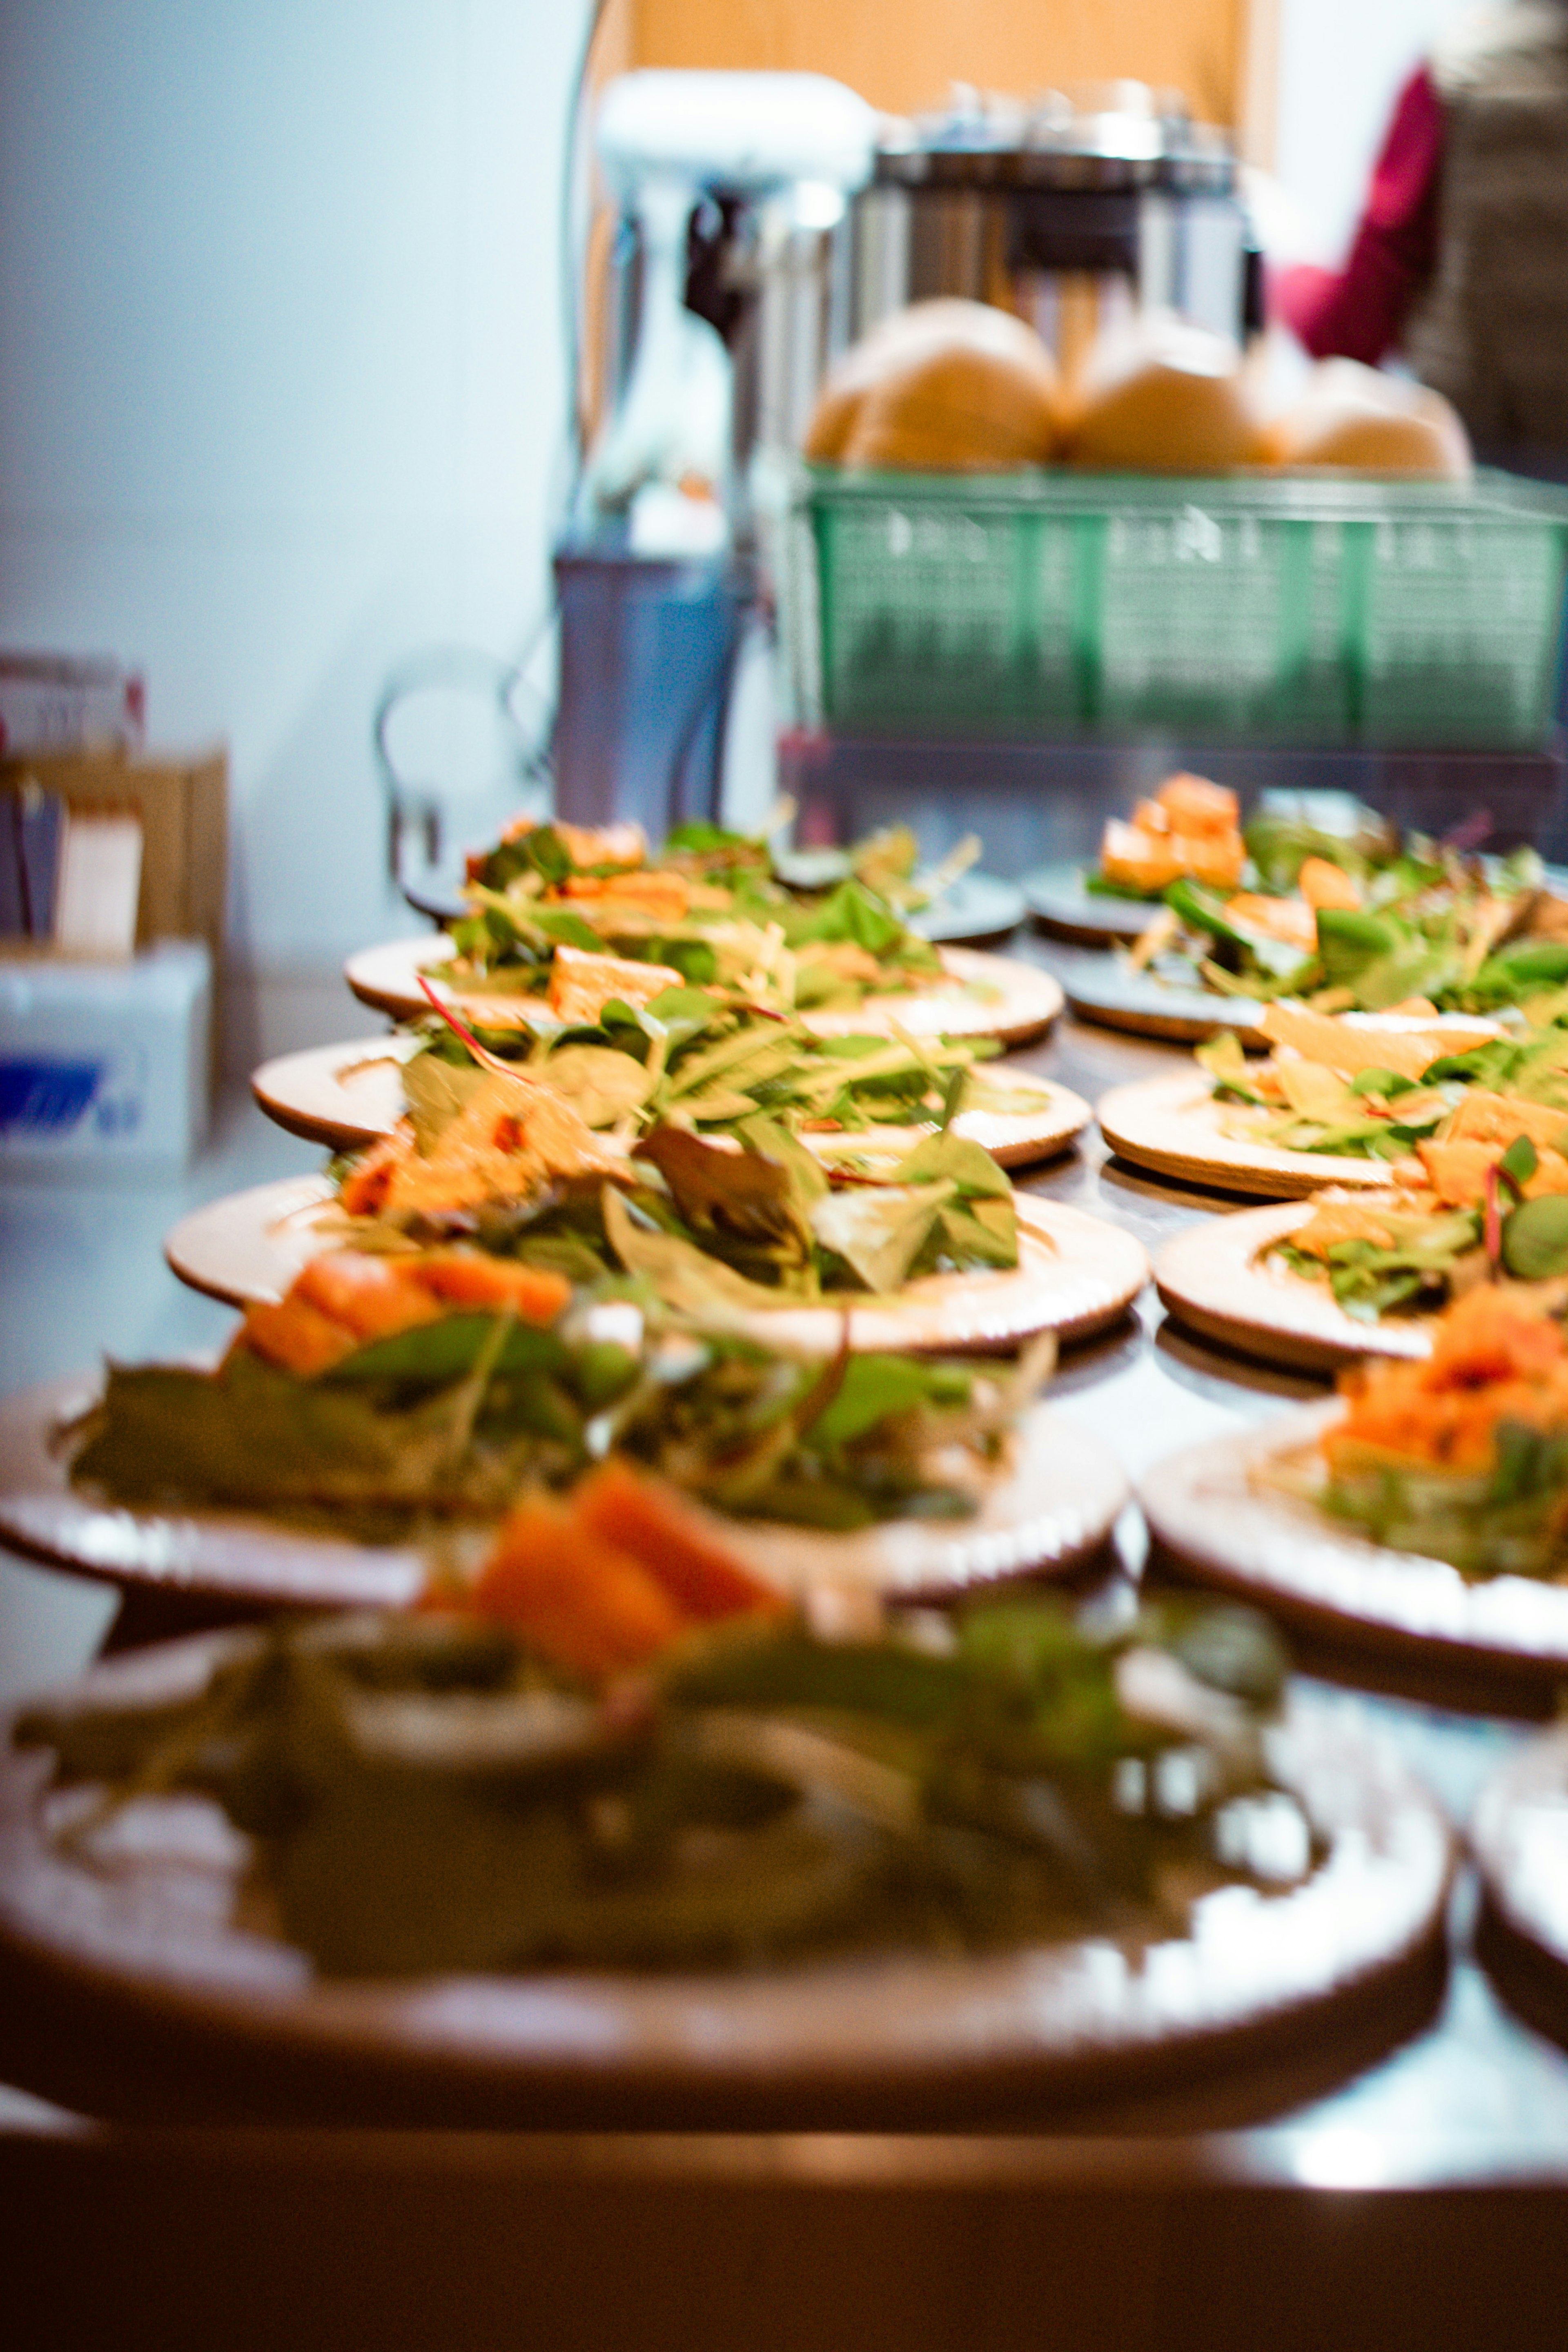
[(285, 379)]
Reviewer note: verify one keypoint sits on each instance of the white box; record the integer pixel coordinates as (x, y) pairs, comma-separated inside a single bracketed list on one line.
[(104, 1067)]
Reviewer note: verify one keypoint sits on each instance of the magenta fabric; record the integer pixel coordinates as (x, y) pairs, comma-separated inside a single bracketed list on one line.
[(1359, 312)]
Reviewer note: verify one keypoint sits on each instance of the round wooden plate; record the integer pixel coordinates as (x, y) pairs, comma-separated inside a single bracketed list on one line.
[(344, 1097), (1075, 1275), (1519, 1835), (1103, 989), (142, 1929), (1053, 1500), (976, 906), (1215, 1519), (1217, 1278), (1061, 903), (1171, 1126), (983, 996)]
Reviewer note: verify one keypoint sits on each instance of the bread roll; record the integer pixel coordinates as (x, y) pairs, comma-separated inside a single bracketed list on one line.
[(1158, 396), (943, 386), (1358, 418)]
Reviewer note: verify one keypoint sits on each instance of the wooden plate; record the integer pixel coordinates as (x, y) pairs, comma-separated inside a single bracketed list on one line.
[(1054, 1501), (1075, 1275), (1103, 989), (1171, 1126), (346, 1096), (1218, 1524), (1519, 1835), (983, 996), (1061, 903), (975, 907), (1217, 1278), (142, 1932)]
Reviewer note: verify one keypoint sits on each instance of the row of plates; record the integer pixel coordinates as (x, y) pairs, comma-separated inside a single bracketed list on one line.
[(149, 1938)]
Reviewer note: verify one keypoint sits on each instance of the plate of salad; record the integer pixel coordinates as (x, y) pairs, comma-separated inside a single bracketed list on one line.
[(787, 1874), (1341, 1099), (362, 1438), (1349, 918), (1367, 1274), (949, 903), (747, 1229), (1064, 1271), (846, 1098), (1421, 1512), (959, 992)]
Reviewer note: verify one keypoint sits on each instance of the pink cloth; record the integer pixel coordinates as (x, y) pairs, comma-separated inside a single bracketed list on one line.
[(1359, 312)]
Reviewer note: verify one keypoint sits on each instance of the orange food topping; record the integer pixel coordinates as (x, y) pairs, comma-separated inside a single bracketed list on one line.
[(344, 1299), (1323, 884), (1498, 1356), (603, 1580)]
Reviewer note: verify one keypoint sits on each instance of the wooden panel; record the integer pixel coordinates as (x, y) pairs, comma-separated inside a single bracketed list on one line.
[(903, 54)]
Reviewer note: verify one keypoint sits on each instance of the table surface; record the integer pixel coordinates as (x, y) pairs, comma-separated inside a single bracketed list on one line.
[(1476, 2098)]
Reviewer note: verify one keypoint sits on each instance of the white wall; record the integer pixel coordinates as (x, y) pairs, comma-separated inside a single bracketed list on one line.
[(1341, 62), (282, 384)]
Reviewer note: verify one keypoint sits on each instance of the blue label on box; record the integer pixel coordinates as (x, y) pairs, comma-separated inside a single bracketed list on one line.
[(40, 1097)]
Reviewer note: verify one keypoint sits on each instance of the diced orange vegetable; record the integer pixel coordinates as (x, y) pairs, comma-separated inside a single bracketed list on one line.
[(1496, 1356), (665, 896), (1486, 1117), (577, 1599), (1456, 1169), (364, 1188), (370, 1297), (469, 1278), (644, 1517), (1194, 805), (581, 985), (1278, 918), (297, 1336), (1323, 884)]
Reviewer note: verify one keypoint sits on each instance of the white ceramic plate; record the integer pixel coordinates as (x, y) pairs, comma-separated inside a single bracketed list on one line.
[(1104, 988), (1075, 1275), (983, 996), (1058, 900), (346, 1096), (146, 1931), (1172, 1125), (1054, 1500), (1218, 1278), (1209, 1510)]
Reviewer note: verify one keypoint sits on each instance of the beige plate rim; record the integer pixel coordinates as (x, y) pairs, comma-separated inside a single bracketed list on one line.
[(1102, 989), (1204, 1509), (1168, 1125), (1025, 999), (1055, 1501), (1211, 1279), (312, 1095), (1077, 1275), (1518, 1837), (154, 1945)]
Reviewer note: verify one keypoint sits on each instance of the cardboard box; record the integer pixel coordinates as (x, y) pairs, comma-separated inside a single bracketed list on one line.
[(104, 1067), (184, 807)]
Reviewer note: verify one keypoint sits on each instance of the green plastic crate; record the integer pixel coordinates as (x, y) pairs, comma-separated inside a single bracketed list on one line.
[(1246, 608)]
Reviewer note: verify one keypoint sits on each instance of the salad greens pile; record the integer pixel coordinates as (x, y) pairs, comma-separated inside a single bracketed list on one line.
[(1378, 1114), (1433, 1254), (738, 916), (423, 1796), (453, 1419), (756, 1227), (689, 1059), (1432, 923)]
